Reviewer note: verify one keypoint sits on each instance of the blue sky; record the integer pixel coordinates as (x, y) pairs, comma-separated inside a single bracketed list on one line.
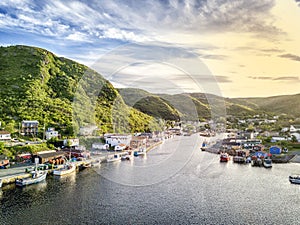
[(233, 48)]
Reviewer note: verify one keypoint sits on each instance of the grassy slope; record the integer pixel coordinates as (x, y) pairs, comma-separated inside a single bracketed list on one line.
[(38, 85)]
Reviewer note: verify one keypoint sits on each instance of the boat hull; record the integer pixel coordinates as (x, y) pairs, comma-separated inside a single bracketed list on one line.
[(64, 171), (30, 180), (294, 179)]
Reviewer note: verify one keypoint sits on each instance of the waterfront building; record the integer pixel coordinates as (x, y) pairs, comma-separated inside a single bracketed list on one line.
[(117, 139)]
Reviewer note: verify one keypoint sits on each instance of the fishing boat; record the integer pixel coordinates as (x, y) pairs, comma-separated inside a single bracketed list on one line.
[(141, 151), (295, 178), (224, 157), (267, 163), (66, 169), (115, 158), (256, 161), (127, 156), (36, 177)]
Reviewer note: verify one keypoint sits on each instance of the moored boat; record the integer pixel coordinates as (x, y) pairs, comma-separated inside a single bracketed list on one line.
[(267, 163), (115, 158), (295, 178), (224, 157), (256, 161), (36, 177), (127, 156), (204, 146), (141, 151), (68, 168)]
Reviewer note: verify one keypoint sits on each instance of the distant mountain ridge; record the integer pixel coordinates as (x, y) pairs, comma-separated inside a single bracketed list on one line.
[(194, 106)]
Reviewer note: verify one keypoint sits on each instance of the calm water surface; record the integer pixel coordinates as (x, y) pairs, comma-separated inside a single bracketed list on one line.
[(174, 184)]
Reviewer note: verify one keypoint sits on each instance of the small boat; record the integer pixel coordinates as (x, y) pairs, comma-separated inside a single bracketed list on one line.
[(0, 183), (295, 179), (267, 163), (204, 146), (256, 161), (115, 158), (239, 159), (68, 168), (141, 151), (127, 156), (224, 157), (36, 177)]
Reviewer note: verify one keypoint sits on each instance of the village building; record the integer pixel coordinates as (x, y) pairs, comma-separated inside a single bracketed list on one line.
[(52, 156), (117, 139), (72, 142), (51, 133), (5, 136), (29, 127), (294, 128), (138, 142)]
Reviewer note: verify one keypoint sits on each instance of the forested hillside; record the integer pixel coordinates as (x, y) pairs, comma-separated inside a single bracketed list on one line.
[(35, 84)]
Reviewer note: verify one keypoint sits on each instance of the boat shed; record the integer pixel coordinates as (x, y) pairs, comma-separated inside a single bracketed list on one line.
[(47, 156)]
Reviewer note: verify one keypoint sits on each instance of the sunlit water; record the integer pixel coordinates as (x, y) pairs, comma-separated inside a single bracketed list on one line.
[(192, 189)]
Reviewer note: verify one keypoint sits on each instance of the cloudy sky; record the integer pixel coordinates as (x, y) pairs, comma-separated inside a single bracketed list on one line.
[(234, 48)]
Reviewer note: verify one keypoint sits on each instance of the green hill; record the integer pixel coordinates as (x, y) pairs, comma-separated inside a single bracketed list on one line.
[(38, 85)]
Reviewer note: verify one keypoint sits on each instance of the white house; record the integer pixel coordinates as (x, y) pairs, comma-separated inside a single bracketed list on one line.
[(297, 136), (4, 136), (51, 133), (295, 128), (72, 142), (117, 139), (275, 139)]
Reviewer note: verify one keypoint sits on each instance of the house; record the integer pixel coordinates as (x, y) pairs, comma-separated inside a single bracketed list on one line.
[(29, 127), (51, 133), (4, 161), (116, 139), (295, 128), (4, 136), (297, 136), (275, 139), (71, 142), (137, 142)]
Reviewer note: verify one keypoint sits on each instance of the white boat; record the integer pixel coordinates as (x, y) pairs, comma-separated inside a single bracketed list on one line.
[(295, 179), (267, 163), (36, 177), (67, 169), (0, 183), (115, 158), (127, 156), (141, 151)]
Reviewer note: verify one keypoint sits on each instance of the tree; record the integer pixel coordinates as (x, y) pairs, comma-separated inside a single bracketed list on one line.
[(1, 147), (10, 126)]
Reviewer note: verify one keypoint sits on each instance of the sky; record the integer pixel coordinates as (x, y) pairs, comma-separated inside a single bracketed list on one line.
[(232, 48)]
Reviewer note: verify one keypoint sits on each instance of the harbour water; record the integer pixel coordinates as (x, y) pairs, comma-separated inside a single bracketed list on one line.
[(175, 183)]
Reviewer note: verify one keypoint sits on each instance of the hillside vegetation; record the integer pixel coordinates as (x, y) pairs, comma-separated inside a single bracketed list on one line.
[(38, 85)]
